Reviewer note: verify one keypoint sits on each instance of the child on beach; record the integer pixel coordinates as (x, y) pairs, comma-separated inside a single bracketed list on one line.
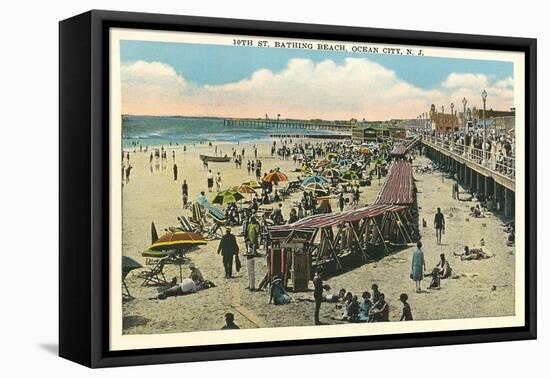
[(407, 314)]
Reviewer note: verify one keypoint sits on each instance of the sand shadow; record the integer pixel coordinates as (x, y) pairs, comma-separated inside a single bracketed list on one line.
[(133, 321), (355, 260)]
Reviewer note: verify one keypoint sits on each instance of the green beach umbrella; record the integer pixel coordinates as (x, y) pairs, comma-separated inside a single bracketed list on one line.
[(349, 176), (227, 196)]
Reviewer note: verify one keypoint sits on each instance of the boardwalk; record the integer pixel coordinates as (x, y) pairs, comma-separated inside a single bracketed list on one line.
[(489, 175)]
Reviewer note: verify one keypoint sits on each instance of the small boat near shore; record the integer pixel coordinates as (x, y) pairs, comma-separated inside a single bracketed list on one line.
[(218, 159)]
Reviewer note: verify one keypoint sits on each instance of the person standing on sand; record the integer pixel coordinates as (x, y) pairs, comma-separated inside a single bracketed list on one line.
[(184, 193), (228, 248), (439, 224), (175, 169), (210, 180), (128, 171), (418, 266), (218, 182), (318, 293), (250, 267), (341, 201)]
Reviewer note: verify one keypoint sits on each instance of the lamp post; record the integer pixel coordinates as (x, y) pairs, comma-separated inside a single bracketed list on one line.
[(442, 119), (452, 117), (464, 102), (484, 98)]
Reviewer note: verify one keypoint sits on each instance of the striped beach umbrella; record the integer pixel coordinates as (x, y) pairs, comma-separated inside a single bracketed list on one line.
[(322, 163), (178, 240), (253, 184), (344, 162), (227, 196), (317, 179), (244, 189), (316, 187), (331, 173), (275, 177)]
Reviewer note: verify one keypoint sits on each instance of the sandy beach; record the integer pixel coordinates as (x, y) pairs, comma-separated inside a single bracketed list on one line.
[(480, 288)]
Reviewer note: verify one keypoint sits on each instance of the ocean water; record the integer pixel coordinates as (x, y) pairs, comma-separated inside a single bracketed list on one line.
[(156, 131)]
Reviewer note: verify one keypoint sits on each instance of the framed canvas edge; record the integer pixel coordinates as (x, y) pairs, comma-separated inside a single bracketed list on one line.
[(101, 21)]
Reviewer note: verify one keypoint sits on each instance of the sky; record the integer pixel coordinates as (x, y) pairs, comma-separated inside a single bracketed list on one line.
[(161, 78)]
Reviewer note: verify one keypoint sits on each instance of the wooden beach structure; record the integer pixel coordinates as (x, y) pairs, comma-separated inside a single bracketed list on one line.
[(361, 234)]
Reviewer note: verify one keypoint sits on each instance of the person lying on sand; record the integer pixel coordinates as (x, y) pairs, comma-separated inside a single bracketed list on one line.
[(187, 286), (472, 254)]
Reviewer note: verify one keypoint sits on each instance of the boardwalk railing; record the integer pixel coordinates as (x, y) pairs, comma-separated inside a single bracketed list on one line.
[(495, 162)]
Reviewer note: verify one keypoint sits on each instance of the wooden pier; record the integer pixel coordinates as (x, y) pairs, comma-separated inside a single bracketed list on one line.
[(339, 126)]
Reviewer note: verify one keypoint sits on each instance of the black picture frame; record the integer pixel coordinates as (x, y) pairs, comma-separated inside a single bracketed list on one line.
[(84, 187)]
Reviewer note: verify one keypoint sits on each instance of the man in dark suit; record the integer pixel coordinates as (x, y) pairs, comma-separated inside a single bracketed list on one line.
[(228, 248)]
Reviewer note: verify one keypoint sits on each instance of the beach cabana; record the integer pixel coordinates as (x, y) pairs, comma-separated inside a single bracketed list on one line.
[(399, 189), (341, 234)]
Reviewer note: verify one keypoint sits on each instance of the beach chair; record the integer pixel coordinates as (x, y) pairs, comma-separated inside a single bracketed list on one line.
[(154, 276), (185, 223)]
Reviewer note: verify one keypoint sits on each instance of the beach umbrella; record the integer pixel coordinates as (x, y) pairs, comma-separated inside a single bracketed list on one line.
[(331, 173), (129, 264), (318, 179), (344, 162), (365, 150), (322, 163), (331, 155), (154, 234), (306, 169), (275, 177), (316, 187), (244, 189), (158, 254), (253, 184), (349, 176), (178, 240), (227, 196)]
